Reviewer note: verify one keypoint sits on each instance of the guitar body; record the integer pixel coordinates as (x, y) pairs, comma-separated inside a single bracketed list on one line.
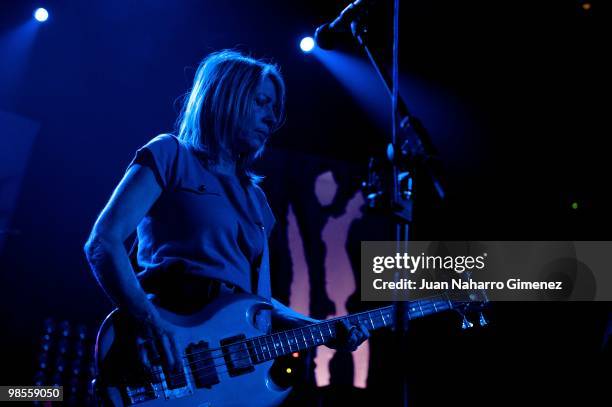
[(219, 373)]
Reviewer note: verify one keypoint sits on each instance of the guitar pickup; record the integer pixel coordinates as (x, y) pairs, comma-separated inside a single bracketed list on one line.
[(202, 365), (236, 355)]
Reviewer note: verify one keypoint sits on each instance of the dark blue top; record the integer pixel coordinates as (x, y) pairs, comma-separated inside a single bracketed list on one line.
[(204, 223)]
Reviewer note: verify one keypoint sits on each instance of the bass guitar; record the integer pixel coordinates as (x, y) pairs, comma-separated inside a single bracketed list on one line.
[(227, 359)]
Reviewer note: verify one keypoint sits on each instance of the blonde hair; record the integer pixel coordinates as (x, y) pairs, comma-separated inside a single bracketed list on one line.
[(219, 103)]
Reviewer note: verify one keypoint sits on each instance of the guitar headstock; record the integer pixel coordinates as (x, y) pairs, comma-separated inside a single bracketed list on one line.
[(470, 305)]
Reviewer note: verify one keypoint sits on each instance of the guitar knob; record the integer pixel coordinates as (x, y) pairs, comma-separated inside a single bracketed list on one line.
[(482, 320), (465, 324)]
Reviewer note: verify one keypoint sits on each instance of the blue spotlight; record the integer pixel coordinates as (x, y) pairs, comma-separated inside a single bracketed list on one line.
[(41, 15), (307, 44)]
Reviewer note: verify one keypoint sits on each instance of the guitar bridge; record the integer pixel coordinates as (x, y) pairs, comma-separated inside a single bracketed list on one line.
[(172, 385), (140, 394)]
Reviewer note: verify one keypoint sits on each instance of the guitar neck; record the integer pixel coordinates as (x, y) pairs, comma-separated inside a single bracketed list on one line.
[(268, 347)]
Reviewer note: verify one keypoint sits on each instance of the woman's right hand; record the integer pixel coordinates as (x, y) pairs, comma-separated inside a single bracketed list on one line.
[(156, 342)]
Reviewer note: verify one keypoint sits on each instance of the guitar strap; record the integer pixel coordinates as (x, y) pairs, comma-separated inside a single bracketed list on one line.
[(260, 276), (133, 254), (260, 271)]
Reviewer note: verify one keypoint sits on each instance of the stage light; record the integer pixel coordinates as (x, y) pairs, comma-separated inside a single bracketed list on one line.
[(307, 44), (575, 205), (41, 15), (586, 6), (295, 354), (288, 370)]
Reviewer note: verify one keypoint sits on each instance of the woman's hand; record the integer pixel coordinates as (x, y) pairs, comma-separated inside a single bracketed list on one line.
[(348, 337), (155, 342)]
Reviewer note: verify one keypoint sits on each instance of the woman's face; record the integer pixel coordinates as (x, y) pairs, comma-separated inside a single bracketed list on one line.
[(263, 118)]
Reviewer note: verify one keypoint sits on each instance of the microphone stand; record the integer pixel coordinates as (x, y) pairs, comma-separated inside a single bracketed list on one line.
[(410, 147), (416, 144)]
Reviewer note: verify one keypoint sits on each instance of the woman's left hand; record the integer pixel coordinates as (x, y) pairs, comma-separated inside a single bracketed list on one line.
[(348, 337)]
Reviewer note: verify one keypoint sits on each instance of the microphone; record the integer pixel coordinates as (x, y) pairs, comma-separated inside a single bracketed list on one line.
[(326, 34)]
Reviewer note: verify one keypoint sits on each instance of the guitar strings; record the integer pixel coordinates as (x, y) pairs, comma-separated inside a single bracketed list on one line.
[(243, 352), (423, 306), (214, 366), (211, 370), (292, 331), (289, 331), (294, 336)]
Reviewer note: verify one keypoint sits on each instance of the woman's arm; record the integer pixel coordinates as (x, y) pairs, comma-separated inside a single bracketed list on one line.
[(109, 261), (288, 318), (105, 248)]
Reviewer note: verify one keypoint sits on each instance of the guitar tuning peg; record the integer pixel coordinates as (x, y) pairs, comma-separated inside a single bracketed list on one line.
[(465, 324), (482, 320)]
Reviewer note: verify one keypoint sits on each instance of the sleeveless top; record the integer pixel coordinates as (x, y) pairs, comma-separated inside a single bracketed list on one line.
[(204, 224)]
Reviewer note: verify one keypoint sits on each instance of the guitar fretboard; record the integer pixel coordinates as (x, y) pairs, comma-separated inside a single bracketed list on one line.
[(268, 347)]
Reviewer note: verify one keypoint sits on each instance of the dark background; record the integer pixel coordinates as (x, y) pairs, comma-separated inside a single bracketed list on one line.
[(512, 93)]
